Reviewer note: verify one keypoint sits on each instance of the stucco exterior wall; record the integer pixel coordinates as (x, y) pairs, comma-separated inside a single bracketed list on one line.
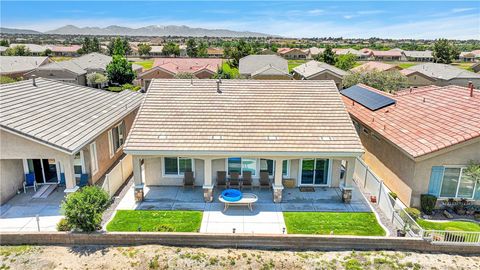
[(11, 178), (329, 76), (154, 173), (203, 75), (61, 75), (419, 80), (157, 74)]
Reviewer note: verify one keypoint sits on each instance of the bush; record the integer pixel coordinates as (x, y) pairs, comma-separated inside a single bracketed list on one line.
[(128, 86), (164, 228), (413, 212), (394, 195), (5, 79), (114, 88), (427, 203), (63, 226), (83, 209)]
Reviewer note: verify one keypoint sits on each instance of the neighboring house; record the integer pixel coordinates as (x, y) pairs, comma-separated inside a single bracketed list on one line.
[(3, 49), (264, 67), (422, 142), (292, 53), (416, 79), (35, 49), (69, 51), (156, 51), (61, 133), (76, 69), (391, 55), (476, 67), (215, 52), (266, 51), (167, 68), (314, 52), (17, 66), (314, 70), (373, 65), (298, 130), (418, 56), (447, 74), (357, 53), (467, 57), (183, 50)]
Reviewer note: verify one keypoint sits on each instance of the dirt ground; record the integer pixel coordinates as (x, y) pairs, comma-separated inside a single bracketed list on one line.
[(163, 257)]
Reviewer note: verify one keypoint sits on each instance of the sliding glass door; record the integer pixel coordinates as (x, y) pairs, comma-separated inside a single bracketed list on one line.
[(314, 171)]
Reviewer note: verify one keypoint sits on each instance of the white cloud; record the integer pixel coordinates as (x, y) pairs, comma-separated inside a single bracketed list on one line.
[(316, 11), (348, 17), (460, 10)]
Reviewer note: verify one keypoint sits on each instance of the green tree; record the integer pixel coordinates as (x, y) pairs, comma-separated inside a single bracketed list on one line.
[(19, 50), (222, 74), (328, 56), (387, 81), (96, 78), (445, 51), (119, 46), (170, 49), (47, 52), (202, 50), (120, 71), (83, 209), (192, 48), (239, 50), (126, 47), (346, 61), (144, 49), (4, 43)]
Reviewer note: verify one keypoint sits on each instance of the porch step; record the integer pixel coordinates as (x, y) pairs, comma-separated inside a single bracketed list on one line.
[(44, 191)]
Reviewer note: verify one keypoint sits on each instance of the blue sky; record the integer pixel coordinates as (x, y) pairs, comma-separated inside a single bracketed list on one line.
[(363, 19)]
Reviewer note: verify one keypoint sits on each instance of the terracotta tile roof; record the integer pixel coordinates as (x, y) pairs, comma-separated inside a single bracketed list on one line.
[(282, 118), (189, 65), (373, 65), (71, 48), (393, 53), (425, 119)]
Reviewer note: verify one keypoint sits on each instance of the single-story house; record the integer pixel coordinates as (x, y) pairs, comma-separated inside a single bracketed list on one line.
[(296, 130), (373, 65), (391, 55), (76, 69), (476, 67), (60, 133), (264, 67), (419, 140), (35, 49), (17, 66), (416, 79), (70, 51), (292, 53), (266, 51), (215, 52), (447, 74), (155, 50), (418, 56), (467, 57), (314, 70), (167, 68), (314, 52)]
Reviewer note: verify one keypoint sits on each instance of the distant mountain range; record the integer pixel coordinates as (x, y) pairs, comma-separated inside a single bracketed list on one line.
[(152, 30)]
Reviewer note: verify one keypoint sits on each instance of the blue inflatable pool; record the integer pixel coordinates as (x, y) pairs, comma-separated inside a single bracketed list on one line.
[(232, 195)]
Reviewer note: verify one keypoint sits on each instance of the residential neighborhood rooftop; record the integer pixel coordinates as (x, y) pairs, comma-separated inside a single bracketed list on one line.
[(15, 64), (313, 67), (62, 115), (188, 65), (254, 64), (243, 116), (443, 71), (423, 120), (373, 65)]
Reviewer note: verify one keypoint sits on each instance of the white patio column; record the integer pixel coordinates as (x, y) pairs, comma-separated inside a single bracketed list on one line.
[(207, 181), (277, 183), (137, 178), (347, 186), (69, 171)]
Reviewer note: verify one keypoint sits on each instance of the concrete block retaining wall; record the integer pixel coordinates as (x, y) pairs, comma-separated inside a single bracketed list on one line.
[(284, 242)]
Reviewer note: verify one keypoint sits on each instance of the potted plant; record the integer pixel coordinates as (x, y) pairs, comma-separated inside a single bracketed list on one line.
[(460, 209), (403, 231)]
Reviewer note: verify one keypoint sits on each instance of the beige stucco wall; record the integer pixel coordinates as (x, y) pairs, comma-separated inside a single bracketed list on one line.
[(328, 76), (418, 80), (11, 178), (272, 77), (203, 75), (61, 75)]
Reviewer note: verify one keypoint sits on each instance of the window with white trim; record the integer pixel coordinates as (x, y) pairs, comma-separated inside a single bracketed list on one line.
[(177, 166), (93, 157), (269, 165), (116, 137), (241, 165), (457, 184)]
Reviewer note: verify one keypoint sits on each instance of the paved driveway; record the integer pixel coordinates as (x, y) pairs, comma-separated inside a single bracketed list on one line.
[(19, 213)]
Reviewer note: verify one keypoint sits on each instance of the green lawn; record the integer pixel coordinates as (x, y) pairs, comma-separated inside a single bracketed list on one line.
[(466, 66), (61, 58), (147, 64), (155, 221), (449, 225), (406, 65), (295, 63), (364, 224)]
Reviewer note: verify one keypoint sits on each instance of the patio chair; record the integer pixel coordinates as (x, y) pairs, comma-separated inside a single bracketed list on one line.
[(83, 180), (264, 179), (247, 179), (29, 182), (221, 178), (234, 180), (188, 180)]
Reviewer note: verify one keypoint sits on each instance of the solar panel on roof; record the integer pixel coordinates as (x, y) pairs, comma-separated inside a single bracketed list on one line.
[(368, 98)]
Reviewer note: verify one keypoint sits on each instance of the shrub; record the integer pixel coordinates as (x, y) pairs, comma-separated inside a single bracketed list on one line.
[(394, 195), (83, 209), (413, 212), (164, 228), (128, 86), (5, 79), (427, 203), (114, 88), (63, 226)]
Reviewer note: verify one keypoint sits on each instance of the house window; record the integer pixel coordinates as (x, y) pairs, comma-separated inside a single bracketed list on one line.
[(269, 165), (93, 157), (456, 184), (117, 138), (241, 165), (315, 171), (177, 165)]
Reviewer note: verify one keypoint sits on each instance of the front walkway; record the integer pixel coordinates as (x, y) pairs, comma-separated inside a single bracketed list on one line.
[(19, 213), (266, 216)]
